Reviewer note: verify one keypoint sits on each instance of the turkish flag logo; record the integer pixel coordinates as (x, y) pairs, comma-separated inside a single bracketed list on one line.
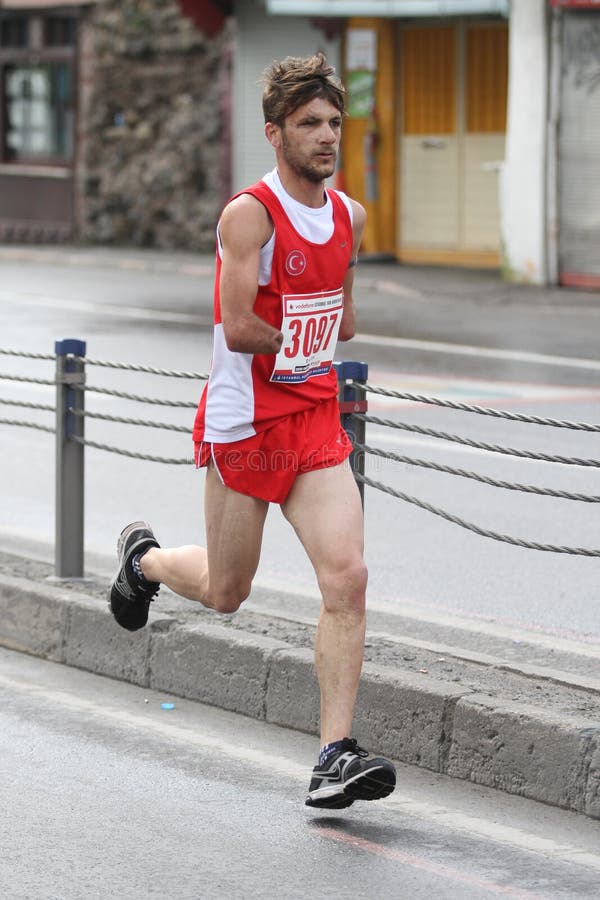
[(295, 263)]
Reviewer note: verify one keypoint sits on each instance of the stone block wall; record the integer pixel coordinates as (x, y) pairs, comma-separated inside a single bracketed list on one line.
[(153, 160)]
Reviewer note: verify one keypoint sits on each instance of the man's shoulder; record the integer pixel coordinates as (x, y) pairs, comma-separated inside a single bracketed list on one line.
[(245, 215), (254, 196), (243, 199), (258, 188)]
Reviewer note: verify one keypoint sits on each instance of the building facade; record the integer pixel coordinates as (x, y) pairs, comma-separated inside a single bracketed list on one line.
[(473, 135), (474, 128), (115, 116), (424, 140)]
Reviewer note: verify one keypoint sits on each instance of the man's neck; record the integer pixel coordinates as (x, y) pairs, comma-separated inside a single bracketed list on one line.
[(309, 193)]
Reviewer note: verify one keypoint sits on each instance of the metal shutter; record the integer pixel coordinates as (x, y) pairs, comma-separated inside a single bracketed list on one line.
[(579, 150)]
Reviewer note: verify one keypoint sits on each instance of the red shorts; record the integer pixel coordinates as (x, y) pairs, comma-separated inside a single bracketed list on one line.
[(266, 464)]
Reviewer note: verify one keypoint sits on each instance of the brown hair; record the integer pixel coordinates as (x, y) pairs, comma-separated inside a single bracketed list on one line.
[(294, 81)]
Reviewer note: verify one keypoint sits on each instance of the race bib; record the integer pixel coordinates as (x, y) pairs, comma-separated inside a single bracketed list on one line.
[(310, 330)]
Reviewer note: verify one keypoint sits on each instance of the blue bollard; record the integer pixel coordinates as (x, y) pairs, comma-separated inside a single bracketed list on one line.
[(353, 399), (69, 484)]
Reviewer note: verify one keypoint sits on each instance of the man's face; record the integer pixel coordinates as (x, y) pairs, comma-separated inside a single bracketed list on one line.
[(310, 138)]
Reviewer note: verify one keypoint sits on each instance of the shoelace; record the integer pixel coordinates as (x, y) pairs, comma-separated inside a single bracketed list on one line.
[(142, 592), (360, 751)]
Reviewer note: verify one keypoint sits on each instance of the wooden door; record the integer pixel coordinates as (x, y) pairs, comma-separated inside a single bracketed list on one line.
[(453, 98), (429, 142)]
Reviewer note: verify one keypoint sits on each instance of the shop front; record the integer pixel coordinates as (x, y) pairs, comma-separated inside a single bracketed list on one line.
[(576, 67), (424, 141), (38, 63)]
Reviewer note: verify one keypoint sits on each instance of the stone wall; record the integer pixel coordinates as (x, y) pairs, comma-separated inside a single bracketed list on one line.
[(154, 142)]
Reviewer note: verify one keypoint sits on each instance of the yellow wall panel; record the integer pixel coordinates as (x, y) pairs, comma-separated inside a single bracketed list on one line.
[(428, 59), (487, 78)]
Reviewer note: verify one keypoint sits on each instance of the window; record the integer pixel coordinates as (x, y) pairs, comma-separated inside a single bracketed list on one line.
[(37, 91), (59, 31), (39, 112), (13, 32)]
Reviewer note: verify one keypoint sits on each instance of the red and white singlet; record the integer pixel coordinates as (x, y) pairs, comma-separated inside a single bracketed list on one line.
[(302, 270)]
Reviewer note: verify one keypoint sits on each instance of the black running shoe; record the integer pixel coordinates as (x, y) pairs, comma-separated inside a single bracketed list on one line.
[(129, 598), (350, 775)]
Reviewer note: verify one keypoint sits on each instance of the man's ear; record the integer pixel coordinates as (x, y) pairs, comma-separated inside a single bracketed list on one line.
[(273, 135)]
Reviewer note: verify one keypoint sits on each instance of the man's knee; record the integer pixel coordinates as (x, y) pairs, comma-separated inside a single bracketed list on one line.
[(345, 586), (229, 596)]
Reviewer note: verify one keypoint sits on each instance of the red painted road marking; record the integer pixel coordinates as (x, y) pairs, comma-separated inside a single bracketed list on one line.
[(473, 391), (419, 862)]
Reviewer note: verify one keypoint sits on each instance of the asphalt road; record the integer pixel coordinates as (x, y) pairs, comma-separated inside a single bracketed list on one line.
[(105, 793), (459, 336)]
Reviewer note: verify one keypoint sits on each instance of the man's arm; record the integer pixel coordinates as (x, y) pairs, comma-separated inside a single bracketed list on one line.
[(244, 227), (347, 325)]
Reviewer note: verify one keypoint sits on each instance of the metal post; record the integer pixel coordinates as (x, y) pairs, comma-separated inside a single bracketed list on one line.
[(68, 546), (353, 399), (552, 211)]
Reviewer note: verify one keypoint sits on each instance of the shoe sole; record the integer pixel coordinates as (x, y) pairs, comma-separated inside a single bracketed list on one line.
[(338, 801), (371, 785)]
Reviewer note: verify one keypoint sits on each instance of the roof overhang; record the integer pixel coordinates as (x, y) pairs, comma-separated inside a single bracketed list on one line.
[(387, 8), (41, 4)]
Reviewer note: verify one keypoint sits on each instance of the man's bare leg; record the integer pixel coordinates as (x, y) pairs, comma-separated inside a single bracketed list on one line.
[(324, 508), (219, 576)]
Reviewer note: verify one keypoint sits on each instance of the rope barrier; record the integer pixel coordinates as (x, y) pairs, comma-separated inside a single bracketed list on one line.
[(481, 410), (151, 370), (180, 404), (43, 406), (145, 456), (463, 473), (361, 447), (26, 380), (124, 420), (35, 425), (479, 445), (24, 355), (483, 532)]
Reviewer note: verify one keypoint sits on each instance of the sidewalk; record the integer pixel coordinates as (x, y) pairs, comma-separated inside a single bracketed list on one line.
[(518, 716)]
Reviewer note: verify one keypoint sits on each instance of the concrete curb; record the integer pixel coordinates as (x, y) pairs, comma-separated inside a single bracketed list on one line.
[(417, 719)]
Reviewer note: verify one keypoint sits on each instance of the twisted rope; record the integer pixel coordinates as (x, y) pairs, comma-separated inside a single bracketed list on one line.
[(43, 406), (25, 379), (482, 410), (494, 448), (183, 404), (463, 473), (35, 425), (23, 355), (124, 420), (483, 532), (145, 456), (152, 370)]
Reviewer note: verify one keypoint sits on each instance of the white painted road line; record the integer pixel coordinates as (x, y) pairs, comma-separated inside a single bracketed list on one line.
[(524, 356), (361, 338), (107, 310)]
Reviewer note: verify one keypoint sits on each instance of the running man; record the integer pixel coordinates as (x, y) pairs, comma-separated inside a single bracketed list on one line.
[(267, 427)]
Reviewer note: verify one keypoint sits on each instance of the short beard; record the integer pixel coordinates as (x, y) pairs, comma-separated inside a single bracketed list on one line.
[(302, 169)]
